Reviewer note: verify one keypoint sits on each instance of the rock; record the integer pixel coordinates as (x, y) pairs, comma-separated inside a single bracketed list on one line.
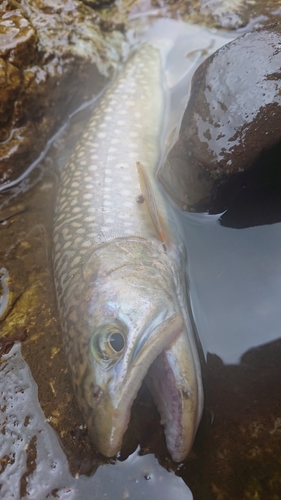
[(97, 3), (233, 115), (226, 14), (53, 56), (233, 14)]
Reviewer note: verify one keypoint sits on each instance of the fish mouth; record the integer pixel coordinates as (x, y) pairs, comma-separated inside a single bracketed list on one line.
[(166, 363), (175, 384)]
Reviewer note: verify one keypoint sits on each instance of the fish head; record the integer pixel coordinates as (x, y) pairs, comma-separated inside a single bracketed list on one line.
[(129, 315)]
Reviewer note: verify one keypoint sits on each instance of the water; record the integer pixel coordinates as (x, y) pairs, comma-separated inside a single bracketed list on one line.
[(235, 287), (235, 278)]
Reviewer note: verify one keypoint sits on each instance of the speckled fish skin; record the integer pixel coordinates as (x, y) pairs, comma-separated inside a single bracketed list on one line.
[(113, 275)]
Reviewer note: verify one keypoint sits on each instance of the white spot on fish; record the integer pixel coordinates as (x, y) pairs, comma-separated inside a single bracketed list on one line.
[(127, 178), (123, 216), (128, 204), (109, 220), (125, 192), (76, 261)]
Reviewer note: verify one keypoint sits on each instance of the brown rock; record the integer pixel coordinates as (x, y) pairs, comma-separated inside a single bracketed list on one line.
[(53, 56), (17, 38), (233, 115)]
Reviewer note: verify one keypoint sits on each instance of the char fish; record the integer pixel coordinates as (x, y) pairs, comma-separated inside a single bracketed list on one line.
[(119, 268)]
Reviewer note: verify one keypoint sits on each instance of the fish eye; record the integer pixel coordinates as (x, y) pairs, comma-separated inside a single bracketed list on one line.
[(108, 343), (116, 341)]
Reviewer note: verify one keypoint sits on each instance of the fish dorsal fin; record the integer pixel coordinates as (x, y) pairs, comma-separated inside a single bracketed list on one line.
[(157, 218)]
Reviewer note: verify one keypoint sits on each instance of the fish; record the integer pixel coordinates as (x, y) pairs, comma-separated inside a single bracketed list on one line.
[(119, 268)]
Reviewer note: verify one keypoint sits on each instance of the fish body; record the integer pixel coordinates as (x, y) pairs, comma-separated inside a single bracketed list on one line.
[(119, 269)]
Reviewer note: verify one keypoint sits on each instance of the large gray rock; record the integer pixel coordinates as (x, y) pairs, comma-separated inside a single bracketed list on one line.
[(233, 115)]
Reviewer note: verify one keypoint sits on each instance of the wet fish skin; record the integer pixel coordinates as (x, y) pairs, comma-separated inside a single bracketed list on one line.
[(114, 277)]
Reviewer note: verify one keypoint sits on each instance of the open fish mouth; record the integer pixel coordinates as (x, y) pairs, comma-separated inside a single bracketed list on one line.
[(177, 401), (162, 363)]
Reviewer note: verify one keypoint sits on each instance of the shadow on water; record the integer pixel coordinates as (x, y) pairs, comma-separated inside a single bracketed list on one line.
[(235, 286), (253, 197)]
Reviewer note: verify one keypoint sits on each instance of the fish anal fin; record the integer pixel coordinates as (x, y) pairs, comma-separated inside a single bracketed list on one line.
[(157, 218)]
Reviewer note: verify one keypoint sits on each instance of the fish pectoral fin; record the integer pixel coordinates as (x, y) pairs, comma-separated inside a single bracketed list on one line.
[(157, 218)]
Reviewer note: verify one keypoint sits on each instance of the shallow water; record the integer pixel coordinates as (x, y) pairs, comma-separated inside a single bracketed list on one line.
[(235, 286), (235, 281)]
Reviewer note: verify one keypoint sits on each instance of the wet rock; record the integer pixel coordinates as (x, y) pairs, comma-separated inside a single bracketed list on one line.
[(233, 14), (224, 13), (233, 115), (97, 3), (52, 57)]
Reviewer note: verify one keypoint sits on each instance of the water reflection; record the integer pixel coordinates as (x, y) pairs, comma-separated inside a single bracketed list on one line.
[(235, 283), (137, 478)]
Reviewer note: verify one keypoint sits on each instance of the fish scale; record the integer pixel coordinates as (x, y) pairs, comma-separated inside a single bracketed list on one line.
[(113, 274)]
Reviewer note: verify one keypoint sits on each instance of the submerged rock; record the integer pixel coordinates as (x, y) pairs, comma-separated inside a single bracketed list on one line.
[(233, 115), (52, 57)]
